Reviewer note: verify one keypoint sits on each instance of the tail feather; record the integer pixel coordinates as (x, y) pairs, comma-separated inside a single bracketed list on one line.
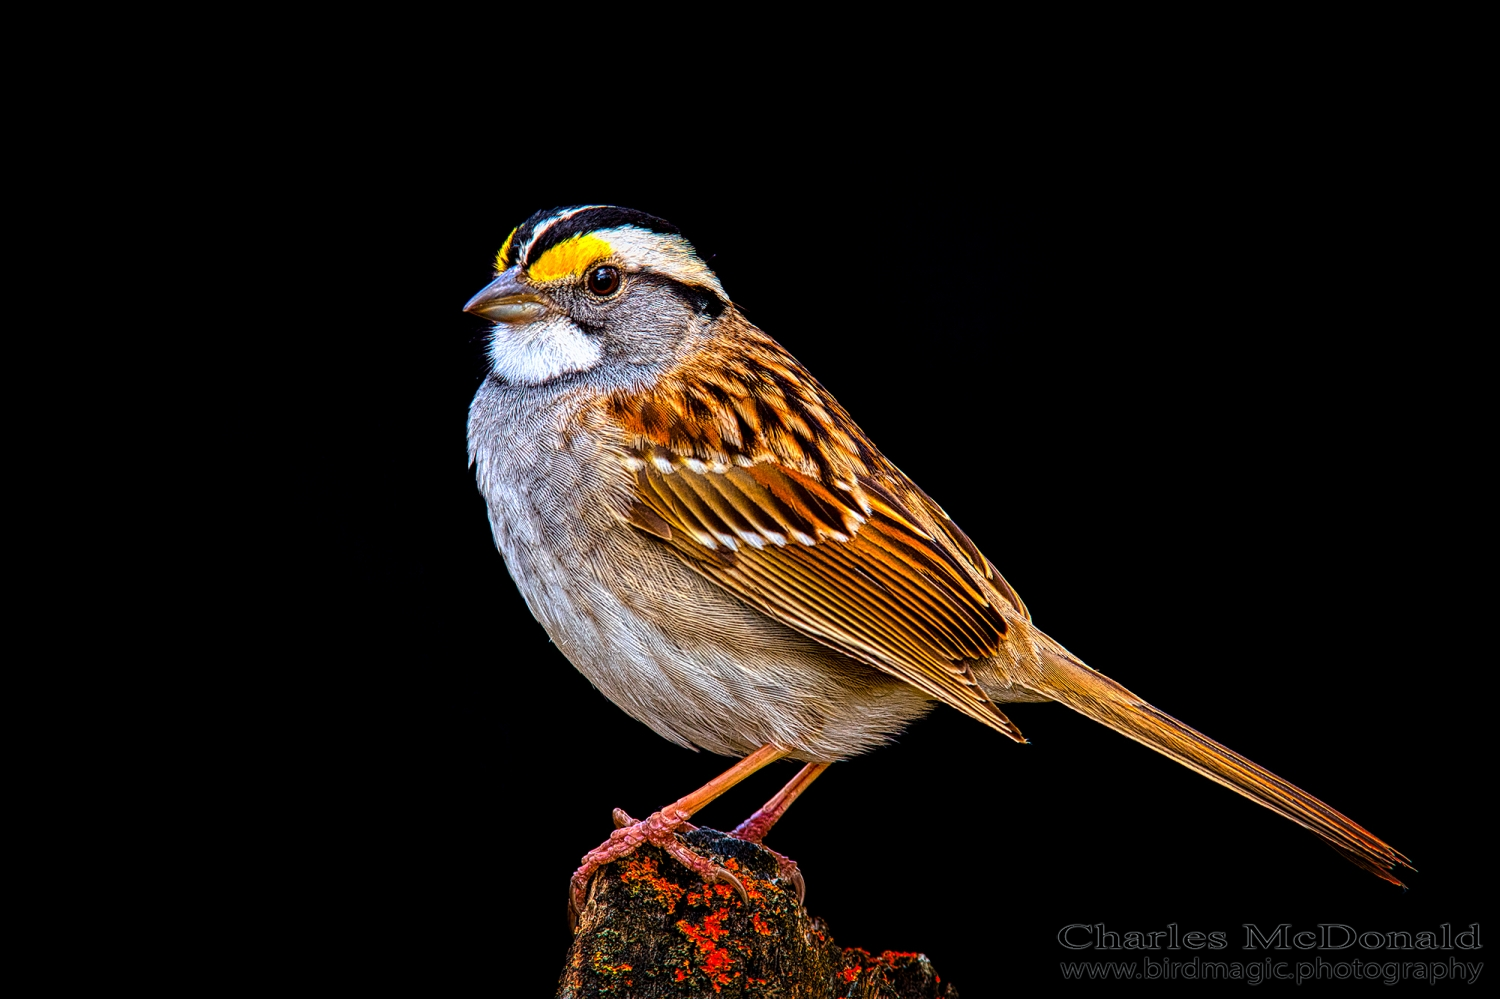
[(1096, 696)]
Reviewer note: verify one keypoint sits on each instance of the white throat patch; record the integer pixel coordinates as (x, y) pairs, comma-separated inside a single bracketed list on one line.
[(537, 352)]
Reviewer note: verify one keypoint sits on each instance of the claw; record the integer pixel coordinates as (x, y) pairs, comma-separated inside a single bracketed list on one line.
[(788, 871), (576, 901), (722, 876), (801, 885), (660, 828)]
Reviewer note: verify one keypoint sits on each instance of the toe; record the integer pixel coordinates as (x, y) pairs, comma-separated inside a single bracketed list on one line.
[(723, 876), (795, 877)]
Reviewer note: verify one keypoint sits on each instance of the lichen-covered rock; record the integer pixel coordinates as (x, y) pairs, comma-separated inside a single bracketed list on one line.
[(652, 929)]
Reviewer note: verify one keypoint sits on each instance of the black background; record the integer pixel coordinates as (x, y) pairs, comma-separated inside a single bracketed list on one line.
[(1193, 387)]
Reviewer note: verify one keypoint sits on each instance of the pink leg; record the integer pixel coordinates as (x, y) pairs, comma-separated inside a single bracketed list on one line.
[(660, 828), (754, 828)]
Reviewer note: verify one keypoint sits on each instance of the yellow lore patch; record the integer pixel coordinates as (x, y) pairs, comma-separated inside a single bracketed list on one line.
[(570, 258), (502, 259)]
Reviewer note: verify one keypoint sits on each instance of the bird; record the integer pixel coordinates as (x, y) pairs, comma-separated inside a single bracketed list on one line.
[(709, 537)]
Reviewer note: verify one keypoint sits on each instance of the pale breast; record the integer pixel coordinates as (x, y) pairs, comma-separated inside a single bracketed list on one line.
[(662, 642)]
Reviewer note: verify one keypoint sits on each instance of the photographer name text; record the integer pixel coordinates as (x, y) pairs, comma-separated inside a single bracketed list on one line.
[(1284, 936)]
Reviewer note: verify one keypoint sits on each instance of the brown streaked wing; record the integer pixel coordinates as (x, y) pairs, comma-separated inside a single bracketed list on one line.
[(873, 585), (971, 551)]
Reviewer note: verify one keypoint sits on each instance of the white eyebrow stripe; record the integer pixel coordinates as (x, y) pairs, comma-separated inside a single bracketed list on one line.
[(665, 254)]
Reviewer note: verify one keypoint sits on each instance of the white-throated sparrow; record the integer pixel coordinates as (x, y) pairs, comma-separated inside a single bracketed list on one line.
[(707, 535)]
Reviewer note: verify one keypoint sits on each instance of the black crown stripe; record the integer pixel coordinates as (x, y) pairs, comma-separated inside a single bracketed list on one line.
[(605, 217)]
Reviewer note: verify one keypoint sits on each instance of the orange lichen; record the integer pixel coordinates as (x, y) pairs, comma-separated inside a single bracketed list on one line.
[(761, 926), (850, 974), (606, 970), (714, 925), (716, 960), (639, 873), (716, 965)]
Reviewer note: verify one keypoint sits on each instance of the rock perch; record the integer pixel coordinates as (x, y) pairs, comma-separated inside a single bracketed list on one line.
[(653, 930)]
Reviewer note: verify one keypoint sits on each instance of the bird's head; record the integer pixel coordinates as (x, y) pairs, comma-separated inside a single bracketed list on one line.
[(595, 288)]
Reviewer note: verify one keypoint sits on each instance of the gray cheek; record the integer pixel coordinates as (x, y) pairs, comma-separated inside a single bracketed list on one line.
[(652, 333)]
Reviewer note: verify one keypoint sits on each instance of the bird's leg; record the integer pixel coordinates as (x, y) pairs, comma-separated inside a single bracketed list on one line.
[(660, 828), (754, 828)]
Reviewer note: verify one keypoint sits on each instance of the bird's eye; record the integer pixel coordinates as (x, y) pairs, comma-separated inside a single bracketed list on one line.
[(604, 280)]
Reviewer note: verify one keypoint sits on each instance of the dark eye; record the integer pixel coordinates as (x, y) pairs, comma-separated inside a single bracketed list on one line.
[(604, 280)]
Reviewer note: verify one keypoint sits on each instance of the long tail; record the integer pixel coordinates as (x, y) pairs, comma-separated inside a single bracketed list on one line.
[(1096, 696)]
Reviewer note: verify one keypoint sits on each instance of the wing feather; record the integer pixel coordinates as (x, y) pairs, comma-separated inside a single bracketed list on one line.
[(872, 587), (761, 482)]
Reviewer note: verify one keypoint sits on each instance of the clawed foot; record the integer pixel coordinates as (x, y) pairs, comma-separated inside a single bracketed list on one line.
[(788, 871), (659, 829), (753, 830)]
